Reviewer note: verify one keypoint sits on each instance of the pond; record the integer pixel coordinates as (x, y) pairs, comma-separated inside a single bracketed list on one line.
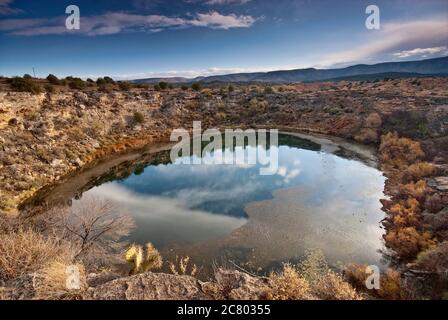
[(323, 196)]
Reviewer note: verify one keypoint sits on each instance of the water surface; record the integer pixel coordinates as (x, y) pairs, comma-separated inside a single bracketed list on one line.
[(231, 214)]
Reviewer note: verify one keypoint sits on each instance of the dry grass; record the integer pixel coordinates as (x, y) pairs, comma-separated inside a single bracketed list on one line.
[(288, 285), (52, 283), (181, 266), (25, 251), (311, 279)]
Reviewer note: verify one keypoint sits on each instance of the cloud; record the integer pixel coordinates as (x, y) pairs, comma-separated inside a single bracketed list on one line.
[(422, 52), (5, 7), (117, 22), (395, 37), (214, 71)]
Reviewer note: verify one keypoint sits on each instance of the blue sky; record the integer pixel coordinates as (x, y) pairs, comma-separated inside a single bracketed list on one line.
[(146, 38)]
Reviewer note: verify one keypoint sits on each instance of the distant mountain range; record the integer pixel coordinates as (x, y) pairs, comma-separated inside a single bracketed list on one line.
[(436, 66)]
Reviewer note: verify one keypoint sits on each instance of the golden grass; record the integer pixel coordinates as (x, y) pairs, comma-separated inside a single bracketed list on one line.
[(25, 251), (52, 282), (311, 279)]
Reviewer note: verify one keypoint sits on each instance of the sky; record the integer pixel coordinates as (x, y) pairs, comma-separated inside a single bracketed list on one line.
[(159, 38)]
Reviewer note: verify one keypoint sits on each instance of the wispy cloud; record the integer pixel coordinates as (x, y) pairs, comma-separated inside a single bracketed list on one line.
[(214, 71), (117, 22), (393, 38), (422, 52), (6, 8)]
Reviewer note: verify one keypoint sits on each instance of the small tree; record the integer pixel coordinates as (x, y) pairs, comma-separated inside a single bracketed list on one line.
[(53, 79), (124, 86), (24, 85), (49, 88), (101, 82), (268, 90), (109, 80), (163, 85), (139, 117), (77, 83), (196, 86), (92, 226)]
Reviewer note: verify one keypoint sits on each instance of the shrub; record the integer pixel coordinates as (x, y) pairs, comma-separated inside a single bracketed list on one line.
[(221, 116), (77, 84), (419, 170), (373, 120), (288, 285), (109, 80), (49, 88), (27, 76), (157, 87), (312, 278), (433, 260), (142, 86), (417, 190), (163, 85), (405, 213), (139, 117), (92, 226), (51, 284), (101, 82), (258, 105), (367, 135), (25, 251), (24, 85), (6, 203), (399, 152), (196, 86), (434, 203), (391, 284), (268, 90), (184, 87), (53, 79), (231, 88), (124, 86), (407, 242)]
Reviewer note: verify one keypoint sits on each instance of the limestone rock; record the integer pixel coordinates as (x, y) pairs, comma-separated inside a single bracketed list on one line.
[(149, 286)]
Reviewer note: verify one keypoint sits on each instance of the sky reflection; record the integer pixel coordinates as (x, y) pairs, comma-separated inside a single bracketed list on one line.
[(316, 199)]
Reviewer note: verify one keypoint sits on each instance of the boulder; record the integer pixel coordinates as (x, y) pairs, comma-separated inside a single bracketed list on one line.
[(149, 286)]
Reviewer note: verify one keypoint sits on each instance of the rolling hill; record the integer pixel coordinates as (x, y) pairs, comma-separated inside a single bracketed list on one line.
[(436, 66)]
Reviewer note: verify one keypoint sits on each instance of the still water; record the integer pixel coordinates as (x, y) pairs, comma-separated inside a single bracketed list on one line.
[(220, 214)]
